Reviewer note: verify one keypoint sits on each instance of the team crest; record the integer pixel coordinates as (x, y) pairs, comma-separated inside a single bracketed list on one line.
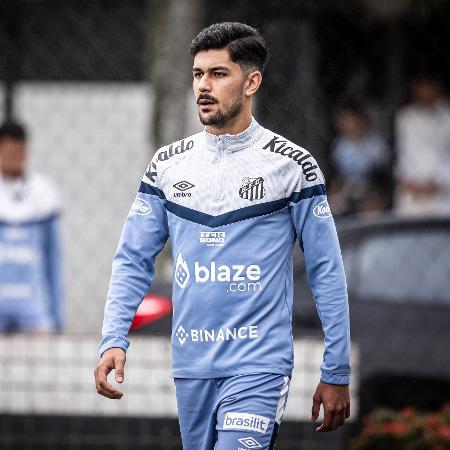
[(252, 188)]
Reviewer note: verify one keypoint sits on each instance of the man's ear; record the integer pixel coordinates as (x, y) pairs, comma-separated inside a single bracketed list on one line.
[(254, 80)]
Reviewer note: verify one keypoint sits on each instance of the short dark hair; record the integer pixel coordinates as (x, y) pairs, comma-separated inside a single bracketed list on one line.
[(244, 43), (13, 130), (353, 106)]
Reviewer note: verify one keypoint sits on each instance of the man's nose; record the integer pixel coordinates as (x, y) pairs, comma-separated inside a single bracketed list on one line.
[(204, 83)]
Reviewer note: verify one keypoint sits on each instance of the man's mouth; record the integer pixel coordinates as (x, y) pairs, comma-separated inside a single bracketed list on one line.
[(206, 101)]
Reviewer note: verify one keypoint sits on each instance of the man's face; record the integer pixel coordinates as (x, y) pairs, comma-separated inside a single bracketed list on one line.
[(12, 156), (218, 87), (351, 124), (426, 92)]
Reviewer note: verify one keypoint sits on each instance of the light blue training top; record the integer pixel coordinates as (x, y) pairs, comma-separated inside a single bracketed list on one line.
[(30, 257), (233, 206)]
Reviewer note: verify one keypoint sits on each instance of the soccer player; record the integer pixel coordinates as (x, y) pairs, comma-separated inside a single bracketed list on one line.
[(30, 260), (234, 198)]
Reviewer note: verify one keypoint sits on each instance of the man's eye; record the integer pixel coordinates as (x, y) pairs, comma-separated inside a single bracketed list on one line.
[(197, 75), (219, 74)]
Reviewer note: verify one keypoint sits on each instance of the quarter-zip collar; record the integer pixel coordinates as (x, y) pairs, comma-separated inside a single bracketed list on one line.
[(234, 142)]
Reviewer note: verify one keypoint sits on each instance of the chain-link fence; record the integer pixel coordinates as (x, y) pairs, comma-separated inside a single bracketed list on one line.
[(101, 84)]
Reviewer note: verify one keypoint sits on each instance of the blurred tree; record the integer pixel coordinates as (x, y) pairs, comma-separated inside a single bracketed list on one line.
[(171, 22)]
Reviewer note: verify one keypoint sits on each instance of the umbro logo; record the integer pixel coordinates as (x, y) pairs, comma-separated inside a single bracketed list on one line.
[(250, 442), (183, 186)]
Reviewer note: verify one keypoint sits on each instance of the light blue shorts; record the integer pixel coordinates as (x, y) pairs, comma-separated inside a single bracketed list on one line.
[(235, 413)]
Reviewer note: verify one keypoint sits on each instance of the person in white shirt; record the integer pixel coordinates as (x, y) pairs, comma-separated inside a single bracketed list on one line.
[(422, 133)]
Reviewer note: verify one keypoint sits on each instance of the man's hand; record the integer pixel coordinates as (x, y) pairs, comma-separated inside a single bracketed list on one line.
[(113, 358), (336, 405)]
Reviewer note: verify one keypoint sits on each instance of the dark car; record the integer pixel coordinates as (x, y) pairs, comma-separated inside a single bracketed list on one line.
[(398, 275)]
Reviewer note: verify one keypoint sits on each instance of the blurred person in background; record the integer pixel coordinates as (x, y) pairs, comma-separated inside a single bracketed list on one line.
[(232, 352), (360, 159), (30, 260), (422, 135)]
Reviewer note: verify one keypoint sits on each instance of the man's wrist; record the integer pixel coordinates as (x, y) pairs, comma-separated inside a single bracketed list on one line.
[(113, 341), (334, 378)]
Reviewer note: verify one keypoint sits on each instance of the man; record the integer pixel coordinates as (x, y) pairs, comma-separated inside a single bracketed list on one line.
[(423, 151), (250, 193), (30, 262), (361, 159)]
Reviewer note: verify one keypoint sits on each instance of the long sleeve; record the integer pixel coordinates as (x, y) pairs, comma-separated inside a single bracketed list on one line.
[(143, 237), (54, 272), (318, 239)]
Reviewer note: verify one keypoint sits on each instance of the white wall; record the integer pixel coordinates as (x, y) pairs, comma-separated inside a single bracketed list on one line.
[(93, 140), (54, 375)]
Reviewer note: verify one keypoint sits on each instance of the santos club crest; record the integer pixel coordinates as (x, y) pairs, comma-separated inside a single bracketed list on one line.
[(252, 188)]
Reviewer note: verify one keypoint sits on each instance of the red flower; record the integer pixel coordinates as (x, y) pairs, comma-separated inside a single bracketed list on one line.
[(432, 422), (409, 412), (443, 432), (395, 428)]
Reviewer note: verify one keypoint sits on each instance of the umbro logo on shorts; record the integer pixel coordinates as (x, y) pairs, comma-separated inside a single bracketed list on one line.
[(250, 442)]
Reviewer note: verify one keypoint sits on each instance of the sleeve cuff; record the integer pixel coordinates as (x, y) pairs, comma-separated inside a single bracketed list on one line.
[(334, 378), (113, 341)]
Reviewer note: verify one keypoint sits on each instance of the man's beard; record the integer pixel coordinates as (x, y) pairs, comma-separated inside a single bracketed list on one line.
[(222, 117)]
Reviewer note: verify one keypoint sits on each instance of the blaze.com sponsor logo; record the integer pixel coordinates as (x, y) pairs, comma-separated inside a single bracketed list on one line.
[(236, 277)]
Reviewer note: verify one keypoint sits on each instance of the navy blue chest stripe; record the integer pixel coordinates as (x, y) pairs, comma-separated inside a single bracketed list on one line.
[(248, 212), (309, 192), (237, 215), (148, 189)]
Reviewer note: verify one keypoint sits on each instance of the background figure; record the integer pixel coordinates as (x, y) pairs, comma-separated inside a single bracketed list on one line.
[(360, 159), (30, 266), (423, 151)]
